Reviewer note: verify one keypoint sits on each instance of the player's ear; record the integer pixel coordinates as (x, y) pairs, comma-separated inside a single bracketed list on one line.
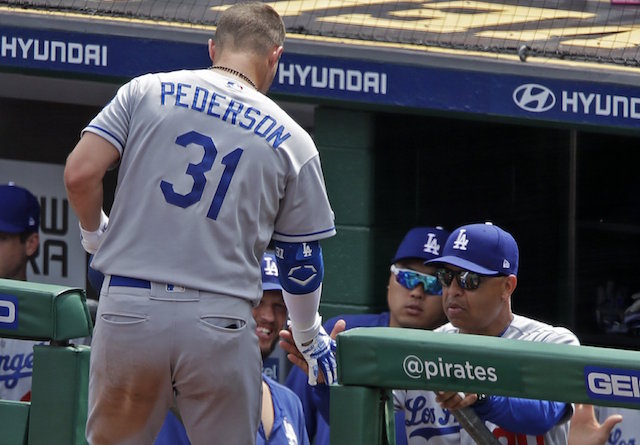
[(212, 49), (510, 284), (31, 244), (274, 56)]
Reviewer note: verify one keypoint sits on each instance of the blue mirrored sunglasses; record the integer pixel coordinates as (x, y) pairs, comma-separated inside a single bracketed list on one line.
[(410, 279)]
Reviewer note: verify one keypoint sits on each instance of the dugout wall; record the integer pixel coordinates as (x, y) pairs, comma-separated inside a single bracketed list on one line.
[(407, 137)]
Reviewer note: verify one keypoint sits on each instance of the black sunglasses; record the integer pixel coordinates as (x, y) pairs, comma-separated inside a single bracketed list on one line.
[(465, 279)]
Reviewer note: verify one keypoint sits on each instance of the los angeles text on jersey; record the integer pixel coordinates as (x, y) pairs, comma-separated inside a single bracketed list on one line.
[(613, 384), (231, 111), (53, 51)]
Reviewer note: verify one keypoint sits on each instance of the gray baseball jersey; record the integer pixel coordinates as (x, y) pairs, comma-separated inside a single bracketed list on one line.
[(210, 172), (428, 424)]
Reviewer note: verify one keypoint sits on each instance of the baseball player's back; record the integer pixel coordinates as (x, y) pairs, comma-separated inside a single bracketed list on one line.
[(210, 171), (204, 174)]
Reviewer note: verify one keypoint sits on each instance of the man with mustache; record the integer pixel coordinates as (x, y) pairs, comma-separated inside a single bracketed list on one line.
[(478, 273)]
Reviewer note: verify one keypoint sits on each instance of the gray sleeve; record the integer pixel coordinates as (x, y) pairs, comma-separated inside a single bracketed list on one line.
[(112, 123), (305, 213)]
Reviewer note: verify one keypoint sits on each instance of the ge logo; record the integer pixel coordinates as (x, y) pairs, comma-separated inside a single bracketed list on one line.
[(413, 366), (534, 98)]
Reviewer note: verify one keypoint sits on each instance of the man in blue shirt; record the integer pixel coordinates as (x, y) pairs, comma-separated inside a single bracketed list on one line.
[(413, 297)]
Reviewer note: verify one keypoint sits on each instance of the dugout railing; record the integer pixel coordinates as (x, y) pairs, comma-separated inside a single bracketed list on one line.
[(54, 315), (373, 361)]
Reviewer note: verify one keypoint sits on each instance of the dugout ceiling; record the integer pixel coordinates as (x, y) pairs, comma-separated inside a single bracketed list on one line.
[(548, 63)]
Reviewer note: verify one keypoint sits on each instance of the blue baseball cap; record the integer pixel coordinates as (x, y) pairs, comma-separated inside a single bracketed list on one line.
[(19, 210), (424, 243), (482, 248), (270, 280)]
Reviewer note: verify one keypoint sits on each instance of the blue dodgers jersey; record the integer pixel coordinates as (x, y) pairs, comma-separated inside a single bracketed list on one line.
[(210, 171), (288, 423), (315, 402)]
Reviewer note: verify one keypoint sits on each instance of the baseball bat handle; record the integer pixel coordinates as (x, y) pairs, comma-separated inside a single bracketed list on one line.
[(476, 428)]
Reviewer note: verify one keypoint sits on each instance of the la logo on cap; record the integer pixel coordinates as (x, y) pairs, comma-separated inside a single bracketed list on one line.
[(461, 241), (432, 246)]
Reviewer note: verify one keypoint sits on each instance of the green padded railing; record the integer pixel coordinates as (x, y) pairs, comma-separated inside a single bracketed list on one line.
[(57, 412), (34, 311), (372, 361)]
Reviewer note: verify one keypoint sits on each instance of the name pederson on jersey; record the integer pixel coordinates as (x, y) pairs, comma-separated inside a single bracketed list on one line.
[(210, 171)]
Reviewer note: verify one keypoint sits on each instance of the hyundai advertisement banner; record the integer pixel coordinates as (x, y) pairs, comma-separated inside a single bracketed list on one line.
[(353, 81)]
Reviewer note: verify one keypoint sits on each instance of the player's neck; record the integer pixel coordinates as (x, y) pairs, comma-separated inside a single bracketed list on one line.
[(241, 67)]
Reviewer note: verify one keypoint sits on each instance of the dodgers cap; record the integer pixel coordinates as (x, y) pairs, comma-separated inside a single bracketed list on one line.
[(270, 280), (421, 242), (19, 210), (482, 248)]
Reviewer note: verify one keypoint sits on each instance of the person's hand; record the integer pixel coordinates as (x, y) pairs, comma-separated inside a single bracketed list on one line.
[(453, 400), (295, 356), (585, 429), (319, 353), (91, 240)]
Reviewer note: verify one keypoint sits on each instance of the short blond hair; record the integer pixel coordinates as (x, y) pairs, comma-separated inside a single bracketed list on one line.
[(250, 26)]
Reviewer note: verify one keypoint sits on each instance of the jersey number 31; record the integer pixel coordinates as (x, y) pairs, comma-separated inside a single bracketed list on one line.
[(197, 171)]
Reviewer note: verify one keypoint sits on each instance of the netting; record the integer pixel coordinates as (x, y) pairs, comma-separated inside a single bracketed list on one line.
[(605, 31)]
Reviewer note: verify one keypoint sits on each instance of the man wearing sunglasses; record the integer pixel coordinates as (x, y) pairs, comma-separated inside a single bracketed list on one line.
[(414, 300), (478, 273)]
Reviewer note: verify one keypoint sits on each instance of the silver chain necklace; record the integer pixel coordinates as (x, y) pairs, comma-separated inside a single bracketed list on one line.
[(235, 73)]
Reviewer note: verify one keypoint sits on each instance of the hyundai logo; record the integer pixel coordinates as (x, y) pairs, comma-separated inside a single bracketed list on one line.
[(533, 97)]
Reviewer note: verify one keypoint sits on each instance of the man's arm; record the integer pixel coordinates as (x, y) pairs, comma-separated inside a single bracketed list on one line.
[(519, 415), (83, 174), (301, 270)]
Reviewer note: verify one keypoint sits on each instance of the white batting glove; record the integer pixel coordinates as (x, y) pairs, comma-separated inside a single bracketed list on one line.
[(91, 240), (318, 351)]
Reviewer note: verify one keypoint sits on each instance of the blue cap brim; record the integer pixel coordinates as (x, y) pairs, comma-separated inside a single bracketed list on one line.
[(271, 286), (463, 264), (10, 228)]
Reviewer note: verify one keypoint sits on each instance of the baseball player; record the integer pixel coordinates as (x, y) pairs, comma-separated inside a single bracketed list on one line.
[(478, 272), (414, 300), (19, 241), (210, 170)]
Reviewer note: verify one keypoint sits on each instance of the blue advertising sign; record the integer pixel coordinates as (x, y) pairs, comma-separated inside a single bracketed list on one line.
[(348, 80), (619, 385), (8, 311)]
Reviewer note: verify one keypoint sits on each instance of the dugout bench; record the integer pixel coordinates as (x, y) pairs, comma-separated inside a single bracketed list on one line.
[(57, 413), (373, 361)]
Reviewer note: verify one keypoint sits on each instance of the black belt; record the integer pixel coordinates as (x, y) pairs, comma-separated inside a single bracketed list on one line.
[(117, 280)]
